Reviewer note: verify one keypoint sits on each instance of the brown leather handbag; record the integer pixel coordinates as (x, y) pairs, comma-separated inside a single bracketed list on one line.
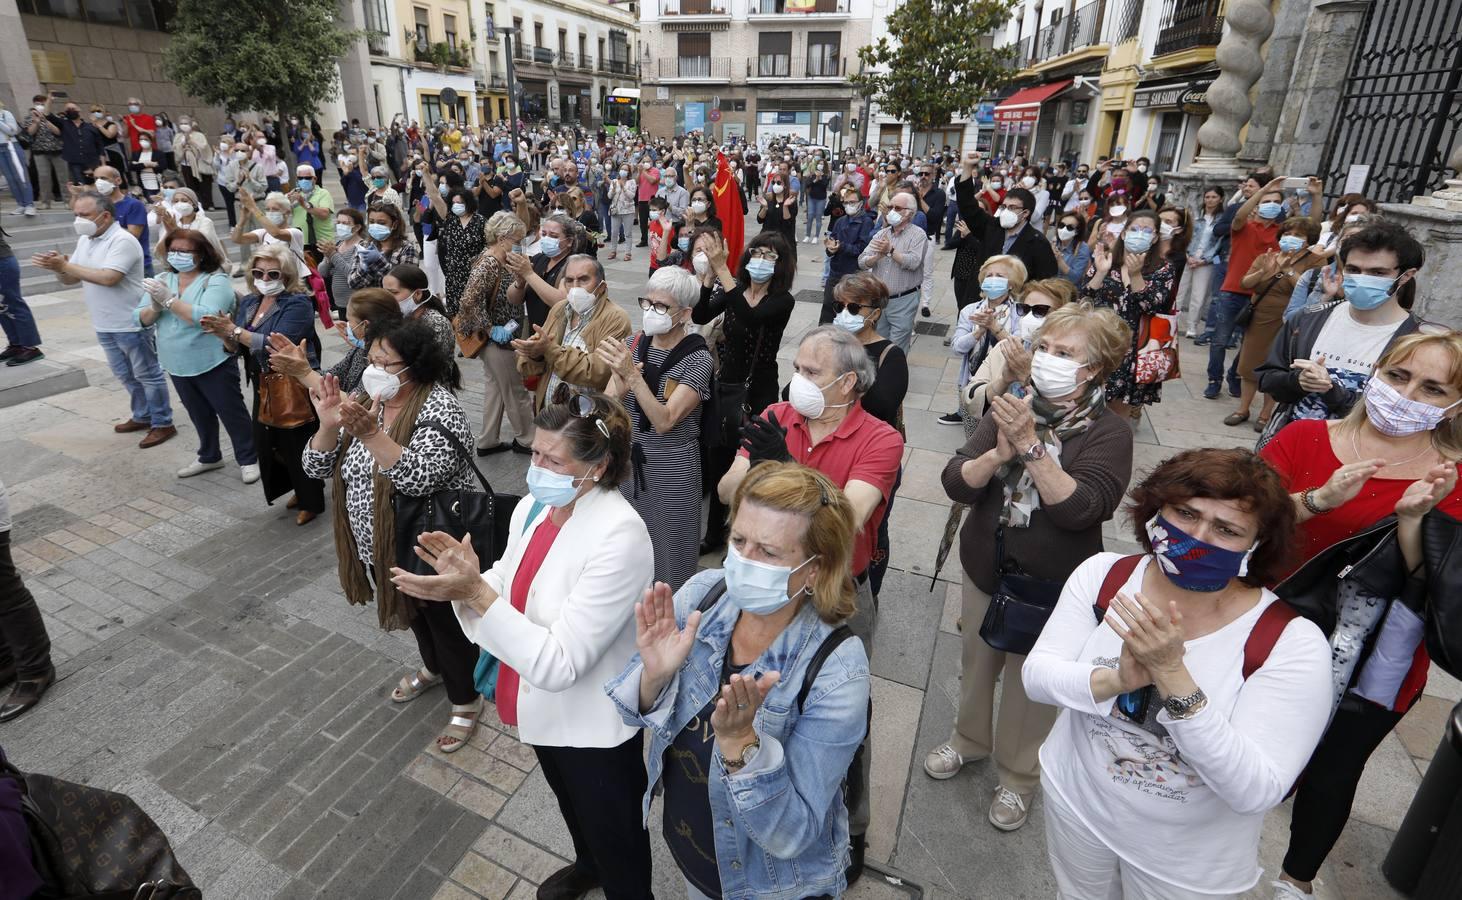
[(283, 401), (470, 343)]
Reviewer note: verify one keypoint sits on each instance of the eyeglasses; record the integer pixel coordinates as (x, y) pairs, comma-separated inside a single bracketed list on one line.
[(763, 253), (1025, 309), (647, 304), (1016, 208), (580, 406), (266, 274), (855, 308)]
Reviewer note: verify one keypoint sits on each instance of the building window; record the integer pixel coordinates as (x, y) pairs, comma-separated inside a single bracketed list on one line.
[(737, 105), (694, 55), (824, 53), (563, 41), (449, 25), (602, 60), (492, 66), (377, 25), (774, 54), (423, 28), (537, 34), (584, 51)]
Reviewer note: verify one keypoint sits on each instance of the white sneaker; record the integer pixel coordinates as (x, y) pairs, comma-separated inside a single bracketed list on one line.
[(18, 211), (198, 468), (249, 474), (30, 210), (943, 762), (1284, 890)]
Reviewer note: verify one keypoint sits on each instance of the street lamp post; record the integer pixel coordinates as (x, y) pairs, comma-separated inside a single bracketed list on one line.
[(508, 34)]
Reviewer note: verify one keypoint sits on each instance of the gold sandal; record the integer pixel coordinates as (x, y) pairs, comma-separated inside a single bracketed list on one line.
[(412, 686), (460, 727)]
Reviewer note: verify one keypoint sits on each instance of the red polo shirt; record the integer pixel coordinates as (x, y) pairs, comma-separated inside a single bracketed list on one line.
[(861, 449), (1246, 243)]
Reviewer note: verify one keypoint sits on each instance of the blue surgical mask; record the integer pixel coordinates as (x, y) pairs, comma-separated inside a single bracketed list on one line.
[(378, 182), (305, 184), (442, 189), (1191, 564), (378, 232), (550, 246), (1270, 210), (350, 336), (849, 321), (167, 193), (181, 261), (761, 270), (1289, 243), (1137, 241), (343, 232), (757, 587), (1367, 291), (995, 286), (552, 488), (683, 243)]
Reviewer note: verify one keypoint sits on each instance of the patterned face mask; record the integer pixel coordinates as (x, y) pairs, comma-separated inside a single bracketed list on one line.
[(1398, 416), (1191, 564)]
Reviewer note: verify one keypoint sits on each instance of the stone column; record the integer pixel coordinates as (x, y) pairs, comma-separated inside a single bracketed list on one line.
[(355, 66), (1293, 26), (1309, 105), (18, 81), (1436, 221)]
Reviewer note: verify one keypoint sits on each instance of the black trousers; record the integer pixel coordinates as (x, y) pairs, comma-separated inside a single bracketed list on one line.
[(1327, 787), (966, 291), (446, 651), (828, 312), (599, 791), (643, 214), (24, 644)]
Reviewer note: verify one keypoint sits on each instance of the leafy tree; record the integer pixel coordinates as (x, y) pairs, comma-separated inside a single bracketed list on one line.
[(276, 55), (935, 68)]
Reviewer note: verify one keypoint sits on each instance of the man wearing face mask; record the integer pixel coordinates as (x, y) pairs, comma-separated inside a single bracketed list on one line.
[(675, 195), (846, 241), (1319, 364), (896, 255), (311, 208), (824, 426), (1250, 236), (107, 263), (1009, 231), (82, 145), (560, 352)]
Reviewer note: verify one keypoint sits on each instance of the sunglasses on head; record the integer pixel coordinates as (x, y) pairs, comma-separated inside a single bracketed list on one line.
[(1040, 311), (263, 275), (580, 406)]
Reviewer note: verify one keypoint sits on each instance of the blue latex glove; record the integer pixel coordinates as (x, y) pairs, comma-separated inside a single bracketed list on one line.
[(500, 335), (369, 255)]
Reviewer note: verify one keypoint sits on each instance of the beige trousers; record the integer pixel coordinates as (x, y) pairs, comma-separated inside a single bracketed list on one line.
[(504, 391), (1015, 738)]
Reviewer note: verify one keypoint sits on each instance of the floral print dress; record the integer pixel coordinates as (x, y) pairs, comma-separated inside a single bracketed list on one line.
[(1155, 298)]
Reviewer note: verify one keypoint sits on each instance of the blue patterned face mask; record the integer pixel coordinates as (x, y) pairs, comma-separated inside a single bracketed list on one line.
[(1191, 564)]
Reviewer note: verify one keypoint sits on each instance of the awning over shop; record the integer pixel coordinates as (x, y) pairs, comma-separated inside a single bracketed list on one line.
[(1188, 92), (1025, 105)]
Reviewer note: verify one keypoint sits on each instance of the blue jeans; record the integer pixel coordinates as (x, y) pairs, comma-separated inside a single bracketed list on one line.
[(815, 209), (133, 358), (950, 217), (1210, 321), (212, 397), (12, 166), (15, 316), (1224, 308)]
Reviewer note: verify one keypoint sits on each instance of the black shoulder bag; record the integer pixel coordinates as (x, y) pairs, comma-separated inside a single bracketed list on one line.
[(1019, 607), (731, 403), (485, 515)]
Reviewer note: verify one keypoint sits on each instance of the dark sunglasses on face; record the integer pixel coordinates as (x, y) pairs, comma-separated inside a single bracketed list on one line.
[(262, 275), (1040, 311), (854, 308)]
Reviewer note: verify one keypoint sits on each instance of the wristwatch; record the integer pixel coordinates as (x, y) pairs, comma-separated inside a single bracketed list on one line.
[(1036, 451), (168, 303), (748, 753), (1186, 707), (236, 332)]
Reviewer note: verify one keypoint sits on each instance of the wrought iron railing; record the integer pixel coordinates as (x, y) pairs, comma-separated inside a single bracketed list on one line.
[(780, 65), (717, 67), (1128, 18), (1189, 23)]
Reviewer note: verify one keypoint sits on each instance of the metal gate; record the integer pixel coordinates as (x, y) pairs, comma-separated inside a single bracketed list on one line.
[(1401, 105)]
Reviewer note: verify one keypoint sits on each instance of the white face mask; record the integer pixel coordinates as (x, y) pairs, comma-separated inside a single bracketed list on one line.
[(182, 210), (274, 217), (657, 322), (1008, 218), (105, 187), (1029, 325), (776, 187), (1028, 181), (701, 263), (809, 399), (1167, 231), (698, 207), (1065, 234), (83, 227), (1052, 376), (380, 384), (581, 301), (269, 288), (895, 218), (1116, 212)]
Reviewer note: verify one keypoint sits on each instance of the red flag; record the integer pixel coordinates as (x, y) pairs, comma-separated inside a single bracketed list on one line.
[(728, 208)]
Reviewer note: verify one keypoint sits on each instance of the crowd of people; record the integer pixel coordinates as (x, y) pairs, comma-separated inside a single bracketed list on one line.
[(1182, 691)]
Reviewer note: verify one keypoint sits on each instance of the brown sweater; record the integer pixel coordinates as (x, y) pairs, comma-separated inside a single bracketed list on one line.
[(1060, 536)]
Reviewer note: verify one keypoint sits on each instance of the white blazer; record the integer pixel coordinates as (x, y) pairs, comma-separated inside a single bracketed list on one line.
[(577, 631)]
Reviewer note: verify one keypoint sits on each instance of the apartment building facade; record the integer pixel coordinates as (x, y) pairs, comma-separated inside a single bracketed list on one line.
[(753, 70)]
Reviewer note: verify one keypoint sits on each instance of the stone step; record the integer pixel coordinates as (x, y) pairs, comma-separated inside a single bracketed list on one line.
[(34, 380)]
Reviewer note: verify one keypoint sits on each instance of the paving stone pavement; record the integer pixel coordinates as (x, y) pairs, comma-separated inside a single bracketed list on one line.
[(210, 668)]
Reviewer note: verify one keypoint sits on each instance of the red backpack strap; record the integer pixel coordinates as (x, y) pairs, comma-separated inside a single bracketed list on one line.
[(1265, 635), (1117, 576)]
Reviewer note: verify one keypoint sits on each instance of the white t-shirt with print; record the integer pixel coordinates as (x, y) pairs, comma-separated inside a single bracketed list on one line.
[(1202, 784), (1350, 349)]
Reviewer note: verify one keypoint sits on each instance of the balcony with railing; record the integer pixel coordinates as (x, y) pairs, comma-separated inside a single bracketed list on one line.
[(781, 67), (616, 66), (1019, 53), (1071, 34), (783, 10), (694, 68), (1188, 24), (696, 10), (1125, 19)]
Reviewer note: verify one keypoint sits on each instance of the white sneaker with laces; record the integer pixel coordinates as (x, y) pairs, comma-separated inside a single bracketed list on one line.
[(943, 762), (1285, 890), (249, 474), (198, 468), (29, 210), (18, 211), (1008, 810)]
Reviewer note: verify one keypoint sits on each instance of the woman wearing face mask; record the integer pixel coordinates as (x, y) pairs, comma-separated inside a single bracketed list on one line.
[(1107, 230), (339, 255), (662, 375), (146, 166), (1395, 453), (1045, 467), (1133, 279), (1272, 279), (370, 311), (273, 221), (1073, 255), (1194, 288), (816, 186), (205, 376), (1165, 732), (277, 302), (755, 306), (1031, 180), (163, 139), (1348, 209), (183, 214), (381, 191), (195, 161), (777, 211), (621, 212), (556, 610), (992, 192), (404, 433), (744, 674), (536, 277), (859, 300), (488, 311), (576, 208), (979, 326), (1009, 360), (460, 234), (388, 243), (408, 284)]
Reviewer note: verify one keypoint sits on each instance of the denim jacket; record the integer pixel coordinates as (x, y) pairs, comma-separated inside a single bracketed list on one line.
[(781, 829), (1205, 241)]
